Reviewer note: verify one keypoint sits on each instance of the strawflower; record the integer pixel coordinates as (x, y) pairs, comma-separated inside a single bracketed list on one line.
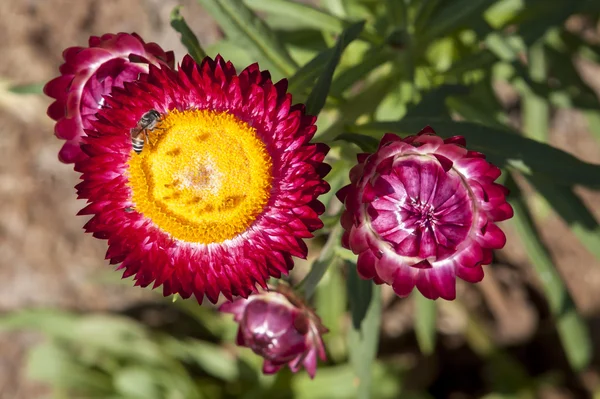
[(421, 211), (278, 326), (224, 189), (87, 75)]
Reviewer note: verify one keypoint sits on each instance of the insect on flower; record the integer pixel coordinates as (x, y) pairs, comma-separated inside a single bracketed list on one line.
[(139, 134), (228, 193)]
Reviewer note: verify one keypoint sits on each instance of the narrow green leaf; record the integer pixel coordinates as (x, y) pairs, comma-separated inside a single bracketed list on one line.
[(53, 323), (318, 95), (51, 363), (593, 122), (537, 18), (425, 319), (308, 73), (33, 88), (243, 27), (310, 16), (480, 60), (397, 12), (433, 103), (188, 39), (331, 303), (362, 104), (212, 358), (335, 7), (502, 11), (571, 328), (363, 340), (372, 59), (327, 256), (136, 382), (231, 50), (573, 210), (425, 10), (365, 143), (502, 147), (453, 16), (482, 105), (337, 382), (536, 111)]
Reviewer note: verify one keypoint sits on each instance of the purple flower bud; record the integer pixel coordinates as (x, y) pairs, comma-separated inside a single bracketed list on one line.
[(280, 328), (421, 211)]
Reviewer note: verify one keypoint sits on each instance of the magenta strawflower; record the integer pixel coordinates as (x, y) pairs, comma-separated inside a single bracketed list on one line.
[(421, 211), (281, 328), (87, 75), (224, 189)]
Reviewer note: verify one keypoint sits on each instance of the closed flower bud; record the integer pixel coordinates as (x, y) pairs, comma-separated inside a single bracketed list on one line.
[(421, 211), (280, 328)]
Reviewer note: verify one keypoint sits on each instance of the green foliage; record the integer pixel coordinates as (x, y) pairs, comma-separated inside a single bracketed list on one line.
[(425, 319), (363, 338), (188, 39)]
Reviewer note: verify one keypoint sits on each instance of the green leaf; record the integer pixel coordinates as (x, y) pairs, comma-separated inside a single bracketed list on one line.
[(537, 18), (433, 103), (536, 110), (137, 382), (397, 12), (365, 143), (330, 304), (451, 17), (371, 60), (188, 39), (316, 99), (481, 60), (593, 122), (335, 7), (425, 10), (502, 148), (310, 16), (231, 51), (480, 106), (363, 340), (51, 322), (571, 328), (326, 258), (53, 364), (212, 358), (308, 73), (33, 88), (425, 320), (573, 210), (242, 26), (118, 336), (502, 11)]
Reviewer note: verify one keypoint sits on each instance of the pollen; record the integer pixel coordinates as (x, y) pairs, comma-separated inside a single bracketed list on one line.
[(203, 177)]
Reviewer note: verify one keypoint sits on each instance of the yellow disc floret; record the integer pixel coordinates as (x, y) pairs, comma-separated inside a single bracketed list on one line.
[(203, 177)]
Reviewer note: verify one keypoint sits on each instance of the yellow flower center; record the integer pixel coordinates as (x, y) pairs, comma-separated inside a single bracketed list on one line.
[(203, 177)]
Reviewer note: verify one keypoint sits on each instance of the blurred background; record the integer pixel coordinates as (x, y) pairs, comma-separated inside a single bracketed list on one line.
[(69, 328)]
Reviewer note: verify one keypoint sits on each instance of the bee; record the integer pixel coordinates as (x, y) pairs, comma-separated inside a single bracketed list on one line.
[(139, 134)]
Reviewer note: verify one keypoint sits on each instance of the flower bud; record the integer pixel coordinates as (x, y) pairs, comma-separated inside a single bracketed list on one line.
[(280, 328)]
